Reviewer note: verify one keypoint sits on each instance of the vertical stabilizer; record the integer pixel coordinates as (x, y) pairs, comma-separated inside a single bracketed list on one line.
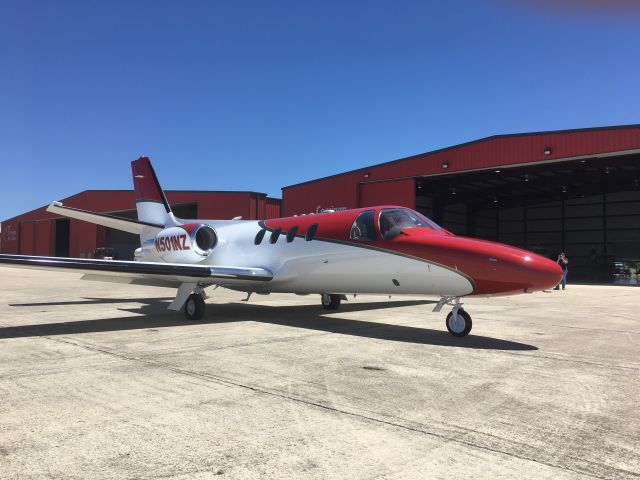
[(151, 201)]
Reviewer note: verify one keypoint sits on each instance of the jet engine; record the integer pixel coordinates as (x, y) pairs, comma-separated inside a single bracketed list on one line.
[(189, 243)]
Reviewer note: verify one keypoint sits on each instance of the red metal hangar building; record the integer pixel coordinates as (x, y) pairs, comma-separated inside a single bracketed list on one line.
[(42, 233), (576, 191)]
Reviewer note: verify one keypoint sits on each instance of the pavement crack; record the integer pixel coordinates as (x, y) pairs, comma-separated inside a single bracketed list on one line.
[(575, 360), (397, 423)]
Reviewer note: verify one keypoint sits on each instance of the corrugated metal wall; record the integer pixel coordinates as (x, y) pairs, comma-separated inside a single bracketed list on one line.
[(342, 190), (273, 208), (394, 192), (33, 233)]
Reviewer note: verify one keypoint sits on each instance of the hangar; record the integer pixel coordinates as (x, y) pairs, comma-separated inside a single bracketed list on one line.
[(42, 233), (576, 191)]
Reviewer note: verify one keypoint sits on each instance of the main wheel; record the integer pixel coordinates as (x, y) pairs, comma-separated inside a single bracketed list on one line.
[(330, 302), (194, 307), (460, 324)]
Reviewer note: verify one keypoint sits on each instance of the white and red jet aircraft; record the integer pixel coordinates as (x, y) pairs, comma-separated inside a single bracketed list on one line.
[(387, 250)]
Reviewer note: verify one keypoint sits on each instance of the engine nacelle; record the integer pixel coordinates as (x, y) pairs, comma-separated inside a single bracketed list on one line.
[(189, 243)]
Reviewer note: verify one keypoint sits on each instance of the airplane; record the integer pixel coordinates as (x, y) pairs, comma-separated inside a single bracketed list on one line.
[(389, 250)]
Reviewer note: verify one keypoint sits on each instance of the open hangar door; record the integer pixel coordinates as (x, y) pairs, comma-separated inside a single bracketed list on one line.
[(588, 208), (121, 245)]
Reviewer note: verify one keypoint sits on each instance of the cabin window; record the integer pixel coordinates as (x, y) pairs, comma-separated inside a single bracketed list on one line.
[(363, 227), (394, 220), (291, 234), (275, 234), (311, 232), (260, 236)]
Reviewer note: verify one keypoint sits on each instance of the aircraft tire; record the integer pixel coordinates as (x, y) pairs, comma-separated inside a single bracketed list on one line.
[(330, 302), (194, 307), (462, 326)]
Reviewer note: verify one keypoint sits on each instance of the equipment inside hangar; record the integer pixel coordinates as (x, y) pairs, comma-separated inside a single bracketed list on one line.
[(589, 208)]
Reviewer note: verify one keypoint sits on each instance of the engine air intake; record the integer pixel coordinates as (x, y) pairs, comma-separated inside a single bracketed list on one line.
[(205, 239)]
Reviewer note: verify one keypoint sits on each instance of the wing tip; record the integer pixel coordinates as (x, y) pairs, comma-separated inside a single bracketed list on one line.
[(52, 206)]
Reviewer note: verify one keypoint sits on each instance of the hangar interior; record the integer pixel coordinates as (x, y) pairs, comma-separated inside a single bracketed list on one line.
[(588, 208)]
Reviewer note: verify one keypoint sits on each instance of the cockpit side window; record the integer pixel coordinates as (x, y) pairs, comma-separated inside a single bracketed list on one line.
[(363, 227), (394, 220)]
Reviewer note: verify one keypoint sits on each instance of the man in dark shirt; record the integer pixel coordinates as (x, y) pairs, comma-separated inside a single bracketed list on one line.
[(564, 263)]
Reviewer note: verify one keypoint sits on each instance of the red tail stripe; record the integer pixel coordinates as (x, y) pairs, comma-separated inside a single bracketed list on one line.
[(145, 182)]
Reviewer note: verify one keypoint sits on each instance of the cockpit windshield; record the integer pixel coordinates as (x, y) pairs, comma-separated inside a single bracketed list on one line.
[(394, 220)]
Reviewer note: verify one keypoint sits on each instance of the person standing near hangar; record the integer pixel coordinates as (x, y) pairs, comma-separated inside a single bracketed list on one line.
[(563, 261)]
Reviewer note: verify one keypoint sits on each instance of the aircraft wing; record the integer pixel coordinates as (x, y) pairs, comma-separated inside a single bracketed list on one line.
[(143, 273)]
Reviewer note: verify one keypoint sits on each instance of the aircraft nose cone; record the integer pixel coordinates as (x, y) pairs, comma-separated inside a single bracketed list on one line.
[(541, 273), (503, 270)]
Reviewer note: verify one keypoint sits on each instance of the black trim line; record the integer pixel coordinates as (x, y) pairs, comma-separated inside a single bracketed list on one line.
[(162, 195), (400, 254)]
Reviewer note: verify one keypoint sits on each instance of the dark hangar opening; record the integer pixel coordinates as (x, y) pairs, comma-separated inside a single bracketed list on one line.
[(589, 208), (61, 239)]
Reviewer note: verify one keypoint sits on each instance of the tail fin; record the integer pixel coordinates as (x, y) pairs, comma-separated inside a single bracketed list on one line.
[(151, 202)]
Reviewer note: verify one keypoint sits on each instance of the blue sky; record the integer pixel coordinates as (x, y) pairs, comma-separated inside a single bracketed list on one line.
[(256, 95)]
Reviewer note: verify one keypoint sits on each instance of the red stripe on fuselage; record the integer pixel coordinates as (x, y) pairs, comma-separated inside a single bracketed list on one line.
[(189, 227), (492, 268)]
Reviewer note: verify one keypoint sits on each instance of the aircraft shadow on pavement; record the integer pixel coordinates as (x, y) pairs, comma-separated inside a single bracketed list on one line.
[(153, 314), (93, 301)]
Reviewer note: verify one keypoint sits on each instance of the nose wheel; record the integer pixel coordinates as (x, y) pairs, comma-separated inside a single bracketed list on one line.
[(459, 322)]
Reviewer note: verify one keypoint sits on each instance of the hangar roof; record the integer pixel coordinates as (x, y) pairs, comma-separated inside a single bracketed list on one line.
[(503, 151), (121, 200)]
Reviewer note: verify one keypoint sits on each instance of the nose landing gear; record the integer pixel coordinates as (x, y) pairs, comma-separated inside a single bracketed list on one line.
[(458, 321)]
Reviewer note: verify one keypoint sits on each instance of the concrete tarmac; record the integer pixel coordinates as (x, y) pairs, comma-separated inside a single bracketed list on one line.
[(99, 380)]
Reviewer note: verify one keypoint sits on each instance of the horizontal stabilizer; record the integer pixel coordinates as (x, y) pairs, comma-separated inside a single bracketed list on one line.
[(111, 221)]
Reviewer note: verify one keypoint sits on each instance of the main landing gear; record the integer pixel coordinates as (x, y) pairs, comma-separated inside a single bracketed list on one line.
[(330, 301), (458, 321), (194, 307), (190, 299)]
